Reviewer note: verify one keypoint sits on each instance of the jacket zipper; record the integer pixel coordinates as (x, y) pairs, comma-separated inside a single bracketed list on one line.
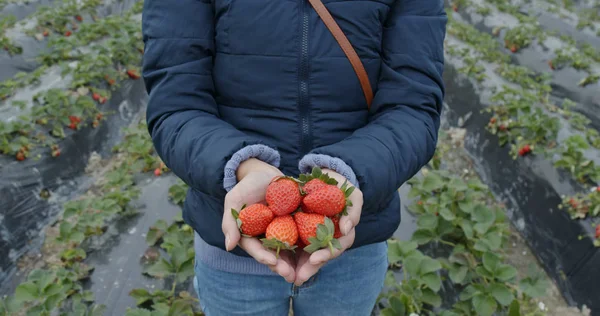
[(303, 101)]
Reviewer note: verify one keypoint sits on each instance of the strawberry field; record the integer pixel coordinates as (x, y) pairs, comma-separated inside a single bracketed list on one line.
[(90, 219)]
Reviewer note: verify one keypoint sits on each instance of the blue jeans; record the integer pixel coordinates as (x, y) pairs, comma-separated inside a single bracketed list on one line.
[(348, 285)]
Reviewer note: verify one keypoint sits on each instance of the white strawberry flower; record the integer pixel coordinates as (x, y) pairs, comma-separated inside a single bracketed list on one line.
[(542, 306)]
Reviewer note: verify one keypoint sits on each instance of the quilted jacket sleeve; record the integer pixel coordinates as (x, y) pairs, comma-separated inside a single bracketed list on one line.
[(182, 114), (401, 135)]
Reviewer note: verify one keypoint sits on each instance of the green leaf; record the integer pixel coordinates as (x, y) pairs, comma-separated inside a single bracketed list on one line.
[(501, 293), (484, 272), (457, 275), (413, 265), (433, 281), (534, 288), (468, 293), (427, 221), (515, 309), (482, 214), (458, 185), (98, 310), (493, 240), (397, 306), (52, 301), (466, 206), (180, 307), (506, 272), (186, 270), (432, 181), (422, 236), (26, 292), (138, 312), (160, 269), (447, 214), (491, 262), (52, 289), (141, 296), (467, 228), (431, 298), (429, 265), (484, 305)]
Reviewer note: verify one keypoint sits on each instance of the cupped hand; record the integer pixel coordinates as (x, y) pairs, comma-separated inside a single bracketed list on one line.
[(254, 177), (308, 264)]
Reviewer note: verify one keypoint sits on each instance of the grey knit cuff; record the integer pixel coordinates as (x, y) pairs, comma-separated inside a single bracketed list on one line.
[(323, 161), (260, 152)]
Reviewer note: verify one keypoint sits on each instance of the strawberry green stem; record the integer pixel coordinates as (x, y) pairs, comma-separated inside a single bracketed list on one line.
[(331, 247), (277, 255)]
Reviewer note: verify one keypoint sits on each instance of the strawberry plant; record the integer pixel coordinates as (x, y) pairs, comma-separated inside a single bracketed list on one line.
[(570, 56), (453, 212), (178, 192), (591, 79), (582, 205), (520, 37), (573, 160)]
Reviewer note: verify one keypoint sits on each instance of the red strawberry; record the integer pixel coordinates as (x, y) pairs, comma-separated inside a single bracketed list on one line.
[(598, 231), (336, 225), (73, 126), (46, 33), (502, 127), (551, 64), (133, 74), (157, 172), (20, 156), (96, 96), (328, 200), (99, 116), (109, 80), (102, 100), (598, 189), (68, 33), (282, 233), (524, 150), (316, 231), (313, 185), (307, 225), (493, 120), (455, 8), (74, 119), (254, 219), (78, 18), (514, 48), (283, 196), (56, 152)]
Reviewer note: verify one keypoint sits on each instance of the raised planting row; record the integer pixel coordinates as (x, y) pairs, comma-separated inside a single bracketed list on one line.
[(58, 285), (5, 43), (95, 69), (543, 131), (524, 113)]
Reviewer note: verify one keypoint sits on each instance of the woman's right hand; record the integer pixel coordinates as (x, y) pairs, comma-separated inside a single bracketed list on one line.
[(254, 177)]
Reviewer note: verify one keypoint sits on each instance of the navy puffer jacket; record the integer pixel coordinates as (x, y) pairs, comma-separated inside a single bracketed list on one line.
[(224, 74)]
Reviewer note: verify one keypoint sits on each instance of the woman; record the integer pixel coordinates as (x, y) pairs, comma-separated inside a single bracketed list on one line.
[(245, 90)]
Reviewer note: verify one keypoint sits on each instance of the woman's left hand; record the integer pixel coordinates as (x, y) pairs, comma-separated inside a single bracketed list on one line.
[(309, 264)]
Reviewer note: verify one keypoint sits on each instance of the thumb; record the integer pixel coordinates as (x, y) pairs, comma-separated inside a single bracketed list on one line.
[(230, 229)]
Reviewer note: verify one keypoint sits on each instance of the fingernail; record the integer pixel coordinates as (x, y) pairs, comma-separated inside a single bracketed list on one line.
[(227, 242), (347, 227)]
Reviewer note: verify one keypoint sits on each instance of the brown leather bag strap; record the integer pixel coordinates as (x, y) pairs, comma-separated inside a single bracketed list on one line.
[(341, 38)]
